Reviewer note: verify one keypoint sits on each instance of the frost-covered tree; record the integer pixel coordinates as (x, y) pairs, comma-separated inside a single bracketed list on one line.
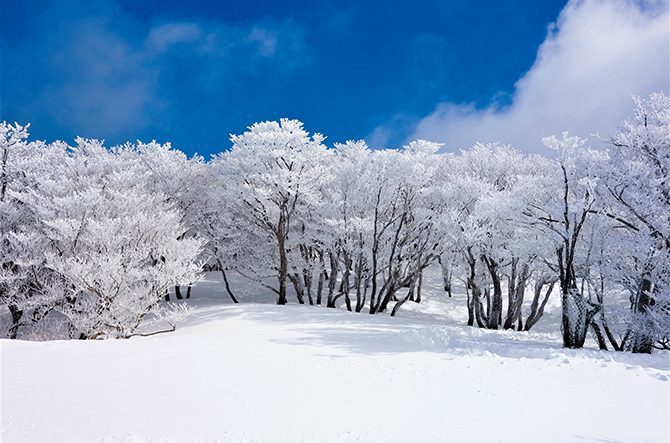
[(99, 236), (25, 283), (348, 231), (179, 179), (636, 189), (13, 217), (487, 190), (562, 212), (415, 243), (117, 244), (382, 216), (273, 174)]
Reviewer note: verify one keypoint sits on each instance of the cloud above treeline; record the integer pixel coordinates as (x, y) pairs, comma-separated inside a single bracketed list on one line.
[(596, 55)]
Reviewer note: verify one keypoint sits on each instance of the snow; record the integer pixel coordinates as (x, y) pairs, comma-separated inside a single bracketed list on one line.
[(260, 372)]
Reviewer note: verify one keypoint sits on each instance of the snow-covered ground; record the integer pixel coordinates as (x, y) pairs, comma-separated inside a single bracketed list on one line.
[(260, 372)]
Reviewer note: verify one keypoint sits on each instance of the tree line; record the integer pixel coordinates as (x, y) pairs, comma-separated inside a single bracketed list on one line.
[(99, 237)]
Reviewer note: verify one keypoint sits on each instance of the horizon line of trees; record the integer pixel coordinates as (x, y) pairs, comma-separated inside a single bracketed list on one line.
[(97, 238)]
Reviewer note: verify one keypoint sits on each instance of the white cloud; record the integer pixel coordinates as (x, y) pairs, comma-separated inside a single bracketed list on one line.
[(596, 55), (163, 36), (266, 40)]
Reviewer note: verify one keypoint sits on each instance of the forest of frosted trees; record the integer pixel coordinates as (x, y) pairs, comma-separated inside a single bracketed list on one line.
[(101, 239)]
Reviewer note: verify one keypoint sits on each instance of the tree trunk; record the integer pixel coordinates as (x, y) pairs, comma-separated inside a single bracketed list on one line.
[(481, 314), (495, 313), (419, 283), (283, 264), (319, 286), (573, 325), (347, 299), (332, 281), (516, 295), (511, 295), (409, 295), (574, 312), (643, 342), (375, 246), (16, 314), (307, 277), (322, 277), (358, 281), (446, 276), (177, 292), (471, 309), (344, 287), (474, 306), (610, 336), (299, 289), (225, 282), (602, 344), (389, 294), (537, 308)]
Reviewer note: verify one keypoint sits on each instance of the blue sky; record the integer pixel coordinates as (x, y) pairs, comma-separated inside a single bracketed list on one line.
[(193, 72)]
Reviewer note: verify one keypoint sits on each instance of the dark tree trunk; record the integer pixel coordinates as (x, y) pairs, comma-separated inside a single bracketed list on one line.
[(643, 342), (307, 277), (347, 300), (188, 292), (516, 295), (410, 294), (573, 319), (375, 246), (366, 285), (16, 314), (574, 313), (610, 336), (446, 276), (345, 280), (511, 294), (602, 344), (474, 305), (358, 281), (495, 314), (283, 264), (358, 276), (319, 287), (299, 289), (480, 315), (225, 282), (322, 276), (388, 296), (332, 281), (344, 284), (177, 292), (537, 307), (419, 283), (471, 309)]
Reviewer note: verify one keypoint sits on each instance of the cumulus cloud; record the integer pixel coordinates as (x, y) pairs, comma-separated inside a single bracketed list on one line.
[(595, 56)]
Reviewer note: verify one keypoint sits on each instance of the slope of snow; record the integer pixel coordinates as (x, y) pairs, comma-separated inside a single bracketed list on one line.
[(259, 372)]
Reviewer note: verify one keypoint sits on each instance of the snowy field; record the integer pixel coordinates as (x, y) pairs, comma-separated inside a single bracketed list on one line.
[(260, 372)]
